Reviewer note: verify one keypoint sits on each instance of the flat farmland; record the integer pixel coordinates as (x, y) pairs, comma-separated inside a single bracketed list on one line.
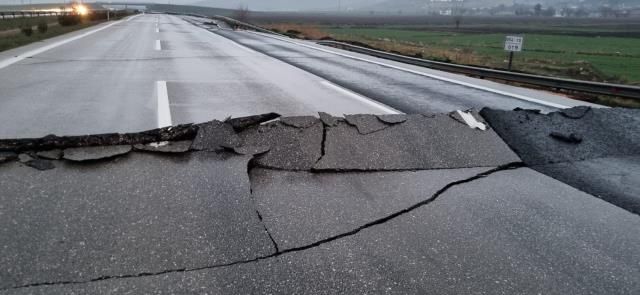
[(593, 58)]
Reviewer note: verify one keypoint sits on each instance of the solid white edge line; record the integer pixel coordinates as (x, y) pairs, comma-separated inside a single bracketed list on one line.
[(158, 45), (471, 120), (361, 98), (7, 62), (505, 93), (164, 111)]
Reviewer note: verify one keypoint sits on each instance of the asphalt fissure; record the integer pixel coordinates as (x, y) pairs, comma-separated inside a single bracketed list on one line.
[(251, 165), (431, 199)]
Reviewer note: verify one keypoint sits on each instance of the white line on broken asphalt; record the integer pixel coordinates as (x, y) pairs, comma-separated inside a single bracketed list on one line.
[(505, 93), (17, 58), (471, 120), (361, 98), (164, 112)]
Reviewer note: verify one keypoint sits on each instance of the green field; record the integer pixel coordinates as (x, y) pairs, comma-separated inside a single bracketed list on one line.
[(18, 39), (8, 24), (593, 58)]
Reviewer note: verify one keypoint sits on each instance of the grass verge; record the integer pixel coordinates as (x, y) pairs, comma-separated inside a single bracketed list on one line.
[(606, 59)]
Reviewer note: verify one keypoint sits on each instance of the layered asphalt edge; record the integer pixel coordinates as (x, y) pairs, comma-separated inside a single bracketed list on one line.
[(357, 144)]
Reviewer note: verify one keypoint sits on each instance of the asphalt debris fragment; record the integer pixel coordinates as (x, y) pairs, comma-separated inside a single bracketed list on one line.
[(165, 147), (240, 124), (215, 136), (328, 119), (418, 143), (575, 112), (35, 162), (366, 124), (95, 152), (40, 164), (392, 118), (49, 142), (7, 156), (291, 148), (300, 121), (55, 154), (251, 150), (568, 138), (542, 138), (23, 158)]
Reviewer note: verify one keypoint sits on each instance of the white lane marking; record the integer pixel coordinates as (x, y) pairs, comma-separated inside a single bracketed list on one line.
[(157, 30), (361, 98), (7, 62), (471, 120), (158, 46), (128, 19), (505, 93), (245, 48), (164, 111), (345, 91)]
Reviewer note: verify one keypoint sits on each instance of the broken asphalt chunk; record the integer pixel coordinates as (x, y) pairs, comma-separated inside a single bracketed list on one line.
[(35, 162), (215, 136), (291, 148), (568, 138), (300, 121), (575, 112), (328, 120), (40, 164), (7, 156), (392, 118), (366, 124), (604, 132), (165, 147), (251, 150), (95, 153), (49, 142), (55, 154), (243, 123), (23, 158), (418, 143)]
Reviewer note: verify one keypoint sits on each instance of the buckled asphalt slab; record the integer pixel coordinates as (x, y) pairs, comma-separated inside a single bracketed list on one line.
[(427, 204), (595, 150)]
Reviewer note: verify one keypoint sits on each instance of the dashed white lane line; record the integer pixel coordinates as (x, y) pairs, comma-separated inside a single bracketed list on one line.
[(157, 30), (15, 59), (158, 46), (363, 99), (470, 85), (164, 111)]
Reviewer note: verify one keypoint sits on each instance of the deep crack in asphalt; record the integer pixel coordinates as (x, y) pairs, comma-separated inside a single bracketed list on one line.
[(510, 166)]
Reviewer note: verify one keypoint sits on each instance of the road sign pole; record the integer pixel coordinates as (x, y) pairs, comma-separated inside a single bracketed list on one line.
[(510, 59)]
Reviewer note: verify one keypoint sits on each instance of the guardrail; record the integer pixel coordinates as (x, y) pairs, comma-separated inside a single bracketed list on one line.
[(619, 90)]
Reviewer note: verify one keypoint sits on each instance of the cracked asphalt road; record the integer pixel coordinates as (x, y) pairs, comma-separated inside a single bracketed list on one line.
[(312, 204), (215, 220)]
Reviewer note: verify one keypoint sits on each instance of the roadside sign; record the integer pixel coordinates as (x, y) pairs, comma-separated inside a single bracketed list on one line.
[(513, 43)]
